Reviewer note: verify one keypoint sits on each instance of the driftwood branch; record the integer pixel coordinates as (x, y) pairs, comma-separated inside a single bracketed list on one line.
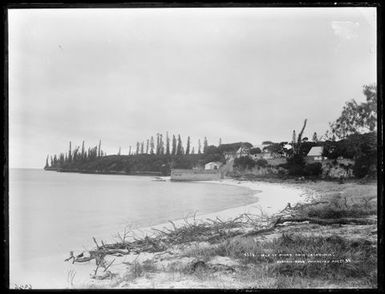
[(96, 243)]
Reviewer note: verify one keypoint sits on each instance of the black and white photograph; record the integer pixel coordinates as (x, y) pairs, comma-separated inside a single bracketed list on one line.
[(192, 147)]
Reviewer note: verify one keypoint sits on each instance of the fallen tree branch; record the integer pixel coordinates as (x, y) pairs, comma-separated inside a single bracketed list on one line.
[(325, 222), (265, 230), (106, 268), (322, 222)]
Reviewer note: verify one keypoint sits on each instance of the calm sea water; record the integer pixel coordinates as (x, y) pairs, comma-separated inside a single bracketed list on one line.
[(52, 213)]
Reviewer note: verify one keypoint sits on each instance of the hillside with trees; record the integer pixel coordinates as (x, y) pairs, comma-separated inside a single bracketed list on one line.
[(356, 129), (148, 157)]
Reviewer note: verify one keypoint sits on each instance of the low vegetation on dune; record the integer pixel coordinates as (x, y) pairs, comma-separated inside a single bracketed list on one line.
[(330, 259)]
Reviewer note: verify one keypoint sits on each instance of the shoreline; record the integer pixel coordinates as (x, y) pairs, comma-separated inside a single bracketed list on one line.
[(264, 205)]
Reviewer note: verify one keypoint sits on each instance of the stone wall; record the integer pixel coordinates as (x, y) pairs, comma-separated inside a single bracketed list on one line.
[(195, 175)]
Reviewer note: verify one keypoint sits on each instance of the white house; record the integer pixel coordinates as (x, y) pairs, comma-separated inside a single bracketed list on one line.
[(213, 165), (315, 153)]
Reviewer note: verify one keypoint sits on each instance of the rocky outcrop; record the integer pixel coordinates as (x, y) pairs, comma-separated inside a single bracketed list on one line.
[(339, 168)]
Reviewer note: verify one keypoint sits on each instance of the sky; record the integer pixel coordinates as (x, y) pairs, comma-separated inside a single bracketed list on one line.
[(124, 75)]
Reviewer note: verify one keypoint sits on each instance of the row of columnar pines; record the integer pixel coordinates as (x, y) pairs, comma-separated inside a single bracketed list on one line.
[(167, 146), (77, 154), (162, 146)]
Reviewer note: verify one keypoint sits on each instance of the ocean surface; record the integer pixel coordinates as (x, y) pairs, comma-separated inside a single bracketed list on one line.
[(53, 213)]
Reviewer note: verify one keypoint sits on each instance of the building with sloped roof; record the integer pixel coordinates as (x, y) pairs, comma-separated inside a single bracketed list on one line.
[(315, 154)]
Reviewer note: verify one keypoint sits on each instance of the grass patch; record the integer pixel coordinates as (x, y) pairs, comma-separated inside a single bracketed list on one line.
[(329, 212), (342, 207), (289, 257), (348, 200)]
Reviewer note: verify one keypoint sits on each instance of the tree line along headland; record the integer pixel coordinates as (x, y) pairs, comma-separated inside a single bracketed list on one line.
[(352, 136)]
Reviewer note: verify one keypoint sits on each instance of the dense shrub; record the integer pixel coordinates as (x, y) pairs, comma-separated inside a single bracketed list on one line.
[(298, 167), (296, 170), (296, 160), (261, 162), (210, 157), (364, 166), (313, 169), (352, 147), (255, 151), (295, 165), (345, 148), (183, 163), (366, 160), (282, 171), (244, 162)]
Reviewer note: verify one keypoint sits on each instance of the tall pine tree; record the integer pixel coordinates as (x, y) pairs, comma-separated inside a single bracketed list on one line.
[(152, 145), (69, 153), (179, 147), (188, 145), (167, 144), (83, 156), (157, 144), (205, 145), (161, 145), (315, 137), (173, 145)]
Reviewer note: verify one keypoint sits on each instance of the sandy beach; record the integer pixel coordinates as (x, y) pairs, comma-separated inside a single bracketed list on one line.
[(271, 198)]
